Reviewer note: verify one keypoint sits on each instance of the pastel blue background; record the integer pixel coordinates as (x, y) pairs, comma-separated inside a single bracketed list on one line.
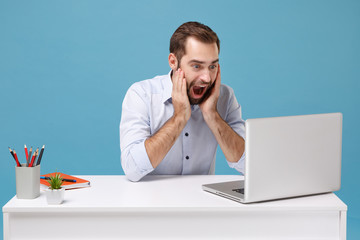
[(65, 67)]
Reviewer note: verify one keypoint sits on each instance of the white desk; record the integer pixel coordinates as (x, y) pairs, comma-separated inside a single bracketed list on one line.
[(167, 207)]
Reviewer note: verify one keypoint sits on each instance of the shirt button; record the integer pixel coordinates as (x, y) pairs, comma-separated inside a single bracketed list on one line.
[(186, 134), (187, 157)]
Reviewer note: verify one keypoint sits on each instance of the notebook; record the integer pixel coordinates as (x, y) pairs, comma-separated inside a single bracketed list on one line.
[(80, 183), (287, 157)]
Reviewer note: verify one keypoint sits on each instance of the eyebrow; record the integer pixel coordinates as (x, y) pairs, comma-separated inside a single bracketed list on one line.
[(202, 62)]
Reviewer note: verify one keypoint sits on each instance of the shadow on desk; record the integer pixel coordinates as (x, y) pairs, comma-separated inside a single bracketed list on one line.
[(157, 178)]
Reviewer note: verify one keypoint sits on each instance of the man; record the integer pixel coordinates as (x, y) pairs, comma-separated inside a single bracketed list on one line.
[(172, 124)]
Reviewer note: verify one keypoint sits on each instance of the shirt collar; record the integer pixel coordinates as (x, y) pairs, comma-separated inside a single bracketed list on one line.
[(167, 83)]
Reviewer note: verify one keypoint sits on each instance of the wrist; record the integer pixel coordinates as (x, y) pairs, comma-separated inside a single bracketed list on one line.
[(179, 120), (211, 116)]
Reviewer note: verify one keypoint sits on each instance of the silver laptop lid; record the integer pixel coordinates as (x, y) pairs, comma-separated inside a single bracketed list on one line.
[(292, 156)]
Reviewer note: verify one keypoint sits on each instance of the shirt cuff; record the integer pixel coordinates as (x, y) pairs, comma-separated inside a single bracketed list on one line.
[(239, 165), (141, 159)]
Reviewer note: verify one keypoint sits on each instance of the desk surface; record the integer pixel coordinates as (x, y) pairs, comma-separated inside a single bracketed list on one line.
[(117, 194)]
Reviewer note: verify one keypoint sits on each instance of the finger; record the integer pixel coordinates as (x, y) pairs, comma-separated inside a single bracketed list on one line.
[(174, 76), (180, 78), (184, 87), (176, 81), (182, 82), (219, 74), (218, 79), (179, 86)]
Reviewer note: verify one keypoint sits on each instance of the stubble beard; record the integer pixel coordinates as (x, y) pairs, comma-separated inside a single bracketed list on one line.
[(194, 101), (198, 101)]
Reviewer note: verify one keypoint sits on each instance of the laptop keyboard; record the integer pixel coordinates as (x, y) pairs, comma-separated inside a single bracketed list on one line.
[(239, 190)]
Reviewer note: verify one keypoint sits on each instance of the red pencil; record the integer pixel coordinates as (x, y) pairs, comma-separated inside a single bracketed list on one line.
[(16, 159), (32, 160), (12, 154), (26, 153)]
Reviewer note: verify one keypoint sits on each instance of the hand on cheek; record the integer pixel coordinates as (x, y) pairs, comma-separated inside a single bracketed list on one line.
[(179, 96), (209, 105)]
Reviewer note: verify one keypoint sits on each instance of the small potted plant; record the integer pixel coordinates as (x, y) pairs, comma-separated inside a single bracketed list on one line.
[(55, 194)]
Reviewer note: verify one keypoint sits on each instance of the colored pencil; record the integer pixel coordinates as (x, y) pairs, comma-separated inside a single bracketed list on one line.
[(64, 179), (36, 155), (30, 152), (17, 162), (16, 159), (40, 156), (26, 155), (32, 159), (26, 152), (11, 152)]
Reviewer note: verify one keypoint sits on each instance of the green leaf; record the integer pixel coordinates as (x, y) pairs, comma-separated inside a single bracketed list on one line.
[(55, 181)]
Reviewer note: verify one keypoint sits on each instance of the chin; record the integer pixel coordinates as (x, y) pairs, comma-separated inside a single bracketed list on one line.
[(194, 101), (197, 101)]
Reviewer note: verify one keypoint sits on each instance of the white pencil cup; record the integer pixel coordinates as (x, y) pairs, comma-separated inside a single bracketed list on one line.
[(27, 182)]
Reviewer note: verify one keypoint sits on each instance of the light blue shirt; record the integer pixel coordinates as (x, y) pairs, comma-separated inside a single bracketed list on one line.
[(147, 106)]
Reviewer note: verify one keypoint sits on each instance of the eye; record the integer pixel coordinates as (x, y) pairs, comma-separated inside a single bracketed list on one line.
[(212, 67), (196, 66)]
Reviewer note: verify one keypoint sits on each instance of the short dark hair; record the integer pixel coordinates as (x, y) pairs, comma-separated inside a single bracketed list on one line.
[(197, 30)]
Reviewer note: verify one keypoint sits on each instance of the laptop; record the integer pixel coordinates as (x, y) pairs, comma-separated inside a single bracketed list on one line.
[(287, 157)]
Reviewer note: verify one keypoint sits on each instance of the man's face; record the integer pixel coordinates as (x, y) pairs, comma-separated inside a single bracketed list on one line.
[(200, 65)]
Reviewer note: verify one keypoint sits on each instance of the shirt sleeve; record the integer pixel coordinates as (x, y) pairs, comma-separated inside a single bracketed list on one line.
[(235, 121), (134, 130)]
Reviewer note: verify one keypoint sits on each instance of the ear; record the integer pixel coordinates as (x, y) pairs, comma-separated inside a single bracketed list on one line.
[(173, 62)]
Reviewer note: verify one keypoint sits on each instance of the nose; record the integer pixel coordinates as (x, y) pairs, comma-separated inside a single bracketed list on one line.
[(205, 76)]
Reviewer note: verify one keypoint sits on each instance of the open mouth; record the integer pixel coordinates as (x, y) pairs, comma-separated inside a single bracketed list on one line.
[(198, 91)]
